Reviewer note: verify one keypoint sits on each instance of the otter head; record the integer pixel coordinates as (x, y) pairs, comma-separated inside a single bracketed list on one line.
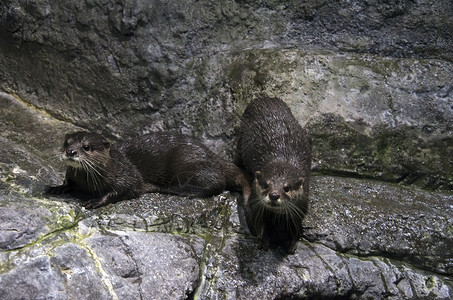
[(84, 149), (279, 187)]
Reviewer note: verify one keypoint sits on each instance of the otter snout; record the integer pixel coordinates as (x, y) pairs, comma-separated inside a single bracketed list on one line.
[(71, 152), (71, 158), (274, 196), (273, 200)]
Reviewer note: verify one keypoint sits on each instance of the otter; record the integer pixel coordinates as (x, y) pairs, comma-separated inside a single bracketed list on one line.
[(275, 151), (155, 162)]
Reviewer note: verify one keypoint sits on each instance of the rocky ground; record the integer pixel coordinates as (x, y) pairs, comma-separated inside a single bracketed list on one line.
[(362, 238), (370, 80)]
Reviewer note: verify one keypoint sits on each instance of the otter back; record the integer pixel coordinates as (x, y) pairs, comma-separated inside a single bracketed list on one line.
[(176, 163)]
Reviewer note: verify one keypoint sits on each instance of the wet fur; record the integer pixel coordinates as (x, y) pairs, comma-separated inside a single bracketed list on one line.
[(156, 162), (182, 165), (274, 149)]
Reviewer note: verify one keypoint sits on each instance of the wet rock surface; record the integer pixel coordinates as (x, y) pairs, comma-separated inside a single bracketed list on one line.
[(370, 80), (362, 239), (368, 218), (160, 246)]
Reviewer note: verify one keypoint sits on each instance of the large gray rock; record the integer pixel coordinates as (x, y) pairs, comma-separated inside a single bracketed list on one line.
[(144, 265), (371, 81), (156, 247), (315, 271), (107, 265), (368, 218)]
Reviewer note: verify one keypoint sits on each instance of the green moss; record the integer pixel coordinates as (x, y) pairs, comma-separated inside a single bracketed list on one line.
[(47, 243), (65, 219), (430, 282)]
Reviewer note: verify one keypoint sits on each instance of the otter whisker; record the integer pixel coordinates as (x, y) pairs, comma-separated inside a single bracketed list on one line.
[(295, 210), (94, 176), (258, 217), (98, 165), (255, 205), (295, 218), (87, 169), (255, 212)]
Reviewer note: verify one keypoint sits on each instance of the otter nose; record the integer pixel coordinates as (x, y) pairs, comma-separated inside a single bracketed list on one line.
[(274, 196), (71, 152)]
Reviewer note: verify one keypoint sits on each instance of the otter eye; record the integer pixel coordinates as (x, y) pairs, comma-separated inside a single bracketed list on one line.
[(86, 147), (265, 185), (286, 189)]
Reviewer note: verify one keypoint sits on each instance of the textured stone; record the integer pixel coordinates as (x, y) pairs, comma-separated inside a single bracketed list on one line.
[(368, 218), (144, 265), (109, 253), (162, 62), (367, 115), (243, 272), (25, 221)]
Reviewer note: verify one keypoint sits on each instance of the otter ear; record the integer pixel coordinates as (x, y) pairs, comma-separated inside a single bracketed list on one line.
[(107, 145), (68, 136), (258, 175), (300, 182), (67, 140)]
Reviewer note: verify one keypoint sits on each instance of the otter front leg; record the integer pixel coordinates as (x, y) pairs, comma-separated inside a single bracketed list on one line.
[(95, 203), (262, 235), (57, 190), (66, 187), (291, 245), (263, 238), (263, 243)]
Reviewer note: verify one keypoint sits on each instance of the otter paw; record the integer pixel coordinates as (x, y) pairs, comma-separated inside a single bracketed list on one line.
[(263, 244), (95, 203), (91, 204), (56, 190), (291, 247)]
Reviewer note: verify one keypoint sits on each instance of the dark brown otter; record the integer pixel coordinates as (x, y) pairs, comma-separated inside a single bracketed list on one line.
[(275, 150), (155, 162)]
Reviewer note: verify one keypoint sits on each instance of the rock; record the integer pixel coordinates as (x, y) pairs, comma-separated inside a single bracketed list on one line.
[(159, 245), (80, 262), (144, 265), (128, 266), (315, 271), (368, 218), (36, 278), (26, 221), (164, 62), (362, 112)]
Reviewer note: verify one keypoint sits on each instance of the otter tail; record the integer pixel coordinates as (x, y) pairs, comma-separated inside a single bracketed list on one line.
[(237, 181)]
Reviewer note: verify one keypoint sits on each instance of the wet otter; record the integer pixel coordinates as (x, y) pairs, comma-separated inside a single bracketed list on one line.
[(155, 162), (275, 150)]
